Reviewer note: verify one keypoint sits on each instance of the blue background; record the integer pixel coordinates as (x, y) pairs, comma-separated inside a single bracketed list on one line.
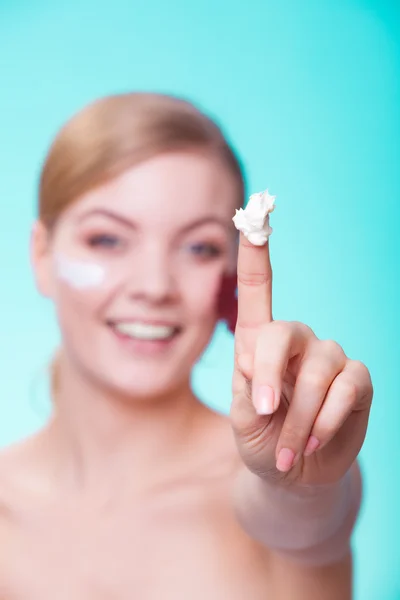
[(309, 93)]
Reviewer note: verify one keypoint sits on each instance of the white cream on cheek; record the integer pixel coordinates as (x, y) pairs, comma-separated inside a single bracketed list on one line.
[(79, 274)]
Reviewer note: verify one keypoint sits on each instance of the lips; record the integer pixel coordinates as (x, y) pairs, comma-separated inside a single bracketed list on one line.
[(145, 331), (145, 340)]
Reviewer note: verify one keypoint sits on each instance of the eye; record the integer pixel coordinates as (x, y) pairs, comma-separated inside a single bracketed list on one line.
[(104, 241), (205, 250)]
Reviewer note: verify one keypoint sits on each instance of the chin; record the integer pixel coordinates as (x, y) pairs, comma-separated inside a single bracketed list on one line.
[(137, 369), (143, 383)]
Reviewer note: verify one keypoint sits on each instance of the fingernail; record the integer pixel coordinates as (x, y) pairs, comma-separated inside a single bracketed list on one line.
[(264, 400), (285, 460), (311, 446)]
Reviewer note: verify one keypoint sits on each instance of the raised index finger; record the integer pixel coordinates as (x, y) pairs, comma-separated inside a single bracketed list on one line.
[(254, 269), (254, 285)]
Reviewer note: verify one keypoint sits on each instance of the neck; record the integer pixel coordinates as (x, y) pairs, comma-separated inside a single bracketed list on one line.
[(102, 439)]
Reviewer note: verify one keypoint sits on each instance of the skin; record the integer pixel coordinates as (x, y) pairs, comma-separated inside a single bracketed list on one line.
[(127, 491)]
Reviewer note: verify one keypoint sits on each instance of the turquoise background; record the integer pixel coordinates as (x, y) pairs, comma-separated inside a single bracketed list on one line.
[(309, 93)]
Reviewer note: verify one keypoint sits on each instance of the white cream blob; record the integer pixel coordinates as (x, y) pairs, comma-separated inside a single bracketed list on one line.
[(79, 274), (253, 221)]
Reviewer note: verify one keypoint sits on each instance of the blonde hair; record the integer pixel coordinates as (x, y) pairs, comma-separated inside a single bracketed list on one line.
[(118, 132), (115, 133)]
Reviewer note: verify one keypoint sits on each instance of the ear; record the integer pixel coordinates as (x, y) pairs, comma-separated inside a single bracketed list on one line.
[(40, 252), (231, 267), (227, 301)]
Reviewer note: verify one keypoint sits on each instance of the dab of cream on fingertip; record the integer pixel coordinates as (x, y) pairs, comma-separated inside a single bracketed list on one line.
[(253, 221)]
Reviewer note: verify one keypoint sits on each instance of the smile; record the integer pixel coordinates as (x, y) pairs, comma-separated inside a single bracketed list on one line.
[(138, 330)]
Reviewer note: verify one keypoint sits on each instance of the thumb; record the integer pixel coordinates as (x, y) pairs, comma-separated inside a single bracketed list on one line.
[(256, 435), (245, 364), (243, 411), (244, 418)]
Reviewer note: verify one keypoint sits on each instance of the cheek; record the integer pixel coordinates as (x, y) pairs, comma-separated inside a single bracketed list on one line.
[(80, 289), (79, 275), (202, 292), (76, 310)]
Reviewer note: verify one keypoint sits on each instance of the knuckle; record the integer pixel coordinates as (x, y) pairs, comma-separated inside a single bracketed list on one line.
[(283, 331), (293, 435), (314, 381), (361, 367), (365, 386), (331, 347), (250, 324), (347, 390), (237, 416), (255, 279), (323, 430), (241, 418), (305, 329), (281, 325), (243, 364)]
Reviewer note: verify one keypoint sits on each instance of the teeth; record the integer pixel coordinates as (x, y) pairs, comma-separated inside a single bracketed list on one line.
[(143, 331)]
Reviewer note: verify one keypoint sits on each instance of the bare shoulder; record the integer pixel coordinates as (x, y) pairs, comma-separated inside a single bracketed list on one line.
[(11, 476), (21, 484), (18, 474), (11, 461), (18, 486)]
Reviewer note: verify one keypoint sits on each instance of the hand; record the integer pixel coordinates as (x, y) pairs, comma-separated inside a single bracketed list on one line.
[(300, 406)]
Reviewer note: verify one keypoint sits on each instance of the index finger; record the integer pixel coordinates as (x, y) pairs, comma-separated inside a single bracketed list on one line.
[(254, 273)]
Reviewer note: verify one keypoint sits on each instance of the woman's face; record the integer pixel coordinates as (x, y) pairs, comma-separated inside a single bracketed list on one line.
[(135, 267)]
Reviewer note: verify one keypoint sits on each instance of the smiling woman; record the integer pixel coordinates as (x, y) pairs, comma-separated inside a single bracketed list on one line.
[(93, 159), (134, 488), (154, 214)]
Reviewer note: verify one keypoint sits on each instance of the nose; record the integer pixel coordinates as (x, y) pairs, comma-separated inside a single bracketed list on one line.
[(154, 279)]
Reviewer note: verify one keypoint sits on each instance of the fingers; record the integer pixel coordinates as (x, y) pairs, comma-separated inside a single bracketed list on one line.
[(278, 342), (320, 365), (351, 391), (322, 403), (325, 388), (254, 289)]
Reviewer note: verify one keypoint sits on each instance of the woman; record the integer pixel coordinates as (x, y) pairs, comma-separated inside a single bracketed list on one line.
[(135, 489)]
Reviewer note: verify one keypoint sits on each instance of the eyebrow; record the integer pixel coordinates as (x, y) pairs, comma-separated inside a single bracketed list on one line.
[(128, 223), (103, 212)]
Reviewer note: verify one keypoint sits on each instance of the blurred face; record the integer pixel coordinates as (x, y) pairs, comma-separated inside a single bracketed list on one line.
[(135, 268)]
